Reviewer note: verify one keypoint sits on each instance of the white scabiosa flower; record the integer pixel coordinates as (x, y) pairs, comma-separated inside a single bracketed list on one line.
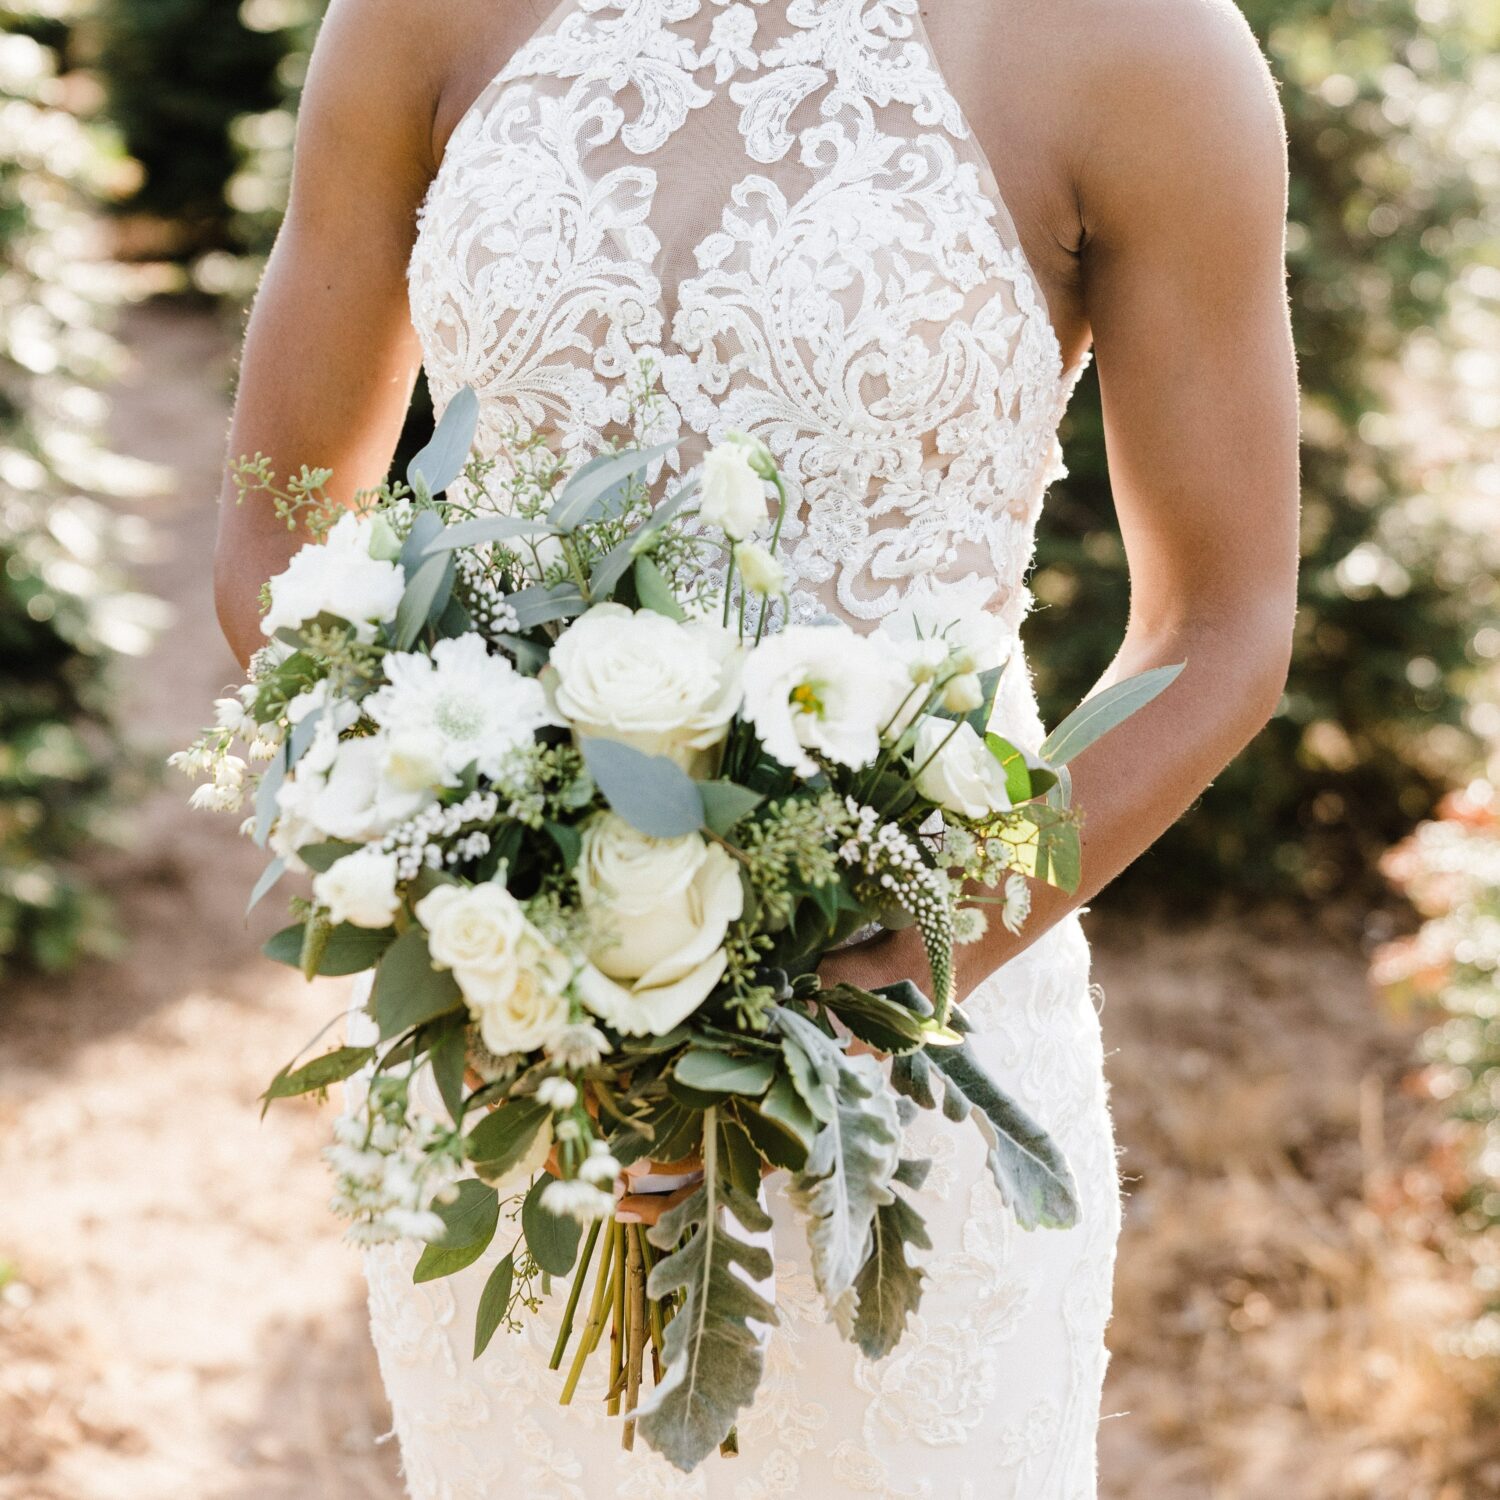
[(733, 494), (338, 576), (465, 705), (1017, 903), (577, 1046), (822, 689), (359, 889)]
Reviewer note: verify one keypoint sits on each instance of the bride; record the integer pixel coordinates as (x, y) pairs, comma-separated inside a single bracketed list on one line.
[(881, 239)]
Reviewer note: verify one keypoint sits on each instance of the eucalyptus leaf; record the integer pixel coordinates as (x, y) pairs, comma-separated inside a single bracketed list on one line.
[(301, 738), (265, 795), (484, 529), (654, 592), (447, 451), (651, 792), (426, 528), (268, 878), (540, 605), (470, 1221), (713, 1352), (408, 990), (425, 596), (1096, 716), (494, 1301), (725, 803), (552, 1239), (321, 857), (580, 497)]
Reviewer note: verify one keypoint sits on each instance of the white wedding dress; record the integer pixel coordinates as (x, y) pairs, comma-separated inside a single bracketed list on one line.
[(780, 206)]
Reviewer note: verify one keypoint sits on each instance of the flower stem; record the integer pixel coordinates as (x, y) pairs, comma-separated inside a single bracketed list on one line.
[(617, 1324), (765, 603), (590, 1336), (575, 1292)]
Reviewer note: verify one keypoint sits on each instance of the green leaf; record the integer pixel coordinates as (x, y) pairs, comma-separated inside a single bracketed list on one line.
[(321, 857), (494, 1301), (469, 1221), (447, 451), (713, 1352), (813, 1075), (268, 878), (718, 1073), (568, 840), (1031, 1172), (541, 605), (725, 803), (265, 796), (875, 1019), (332, 1067), (979, 718), (448, 1057), (1096, 716), (484, 529), (654, 592), (348, 949), (425, 597), (781, 1126), (501, 1140), (583, 492), (611, 568), (552, 1240), (408, 990), (849, 1171), (651, 792), (426, 527), (889, 1287), (1017, 773)]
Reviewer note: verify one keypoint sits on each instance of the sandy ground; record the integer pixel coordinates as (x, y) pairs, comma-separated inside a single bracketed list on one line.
[(181, 1321)]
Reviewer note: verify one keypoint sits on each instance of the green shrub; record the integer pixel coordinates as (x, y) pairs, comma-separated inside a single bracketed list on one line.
[(1389, 195)]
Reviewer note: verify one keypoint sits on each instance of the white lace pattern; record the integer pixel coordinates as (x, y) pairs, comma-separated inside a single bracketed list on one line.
[(779, 205)]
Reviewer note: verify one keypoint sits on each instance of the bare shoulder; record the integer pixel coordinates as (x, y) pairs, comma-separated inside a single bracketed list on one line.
[(1180, 108)]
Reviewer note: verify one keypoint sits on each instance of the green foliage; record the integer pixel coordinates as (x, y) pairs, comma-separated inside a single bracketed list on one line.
[(1387, 217), (62, 609), (181, 76)]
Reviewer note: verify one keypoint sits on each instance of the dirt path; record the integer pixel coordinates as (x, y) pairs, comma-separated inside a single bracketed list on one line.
[(183, 1323)]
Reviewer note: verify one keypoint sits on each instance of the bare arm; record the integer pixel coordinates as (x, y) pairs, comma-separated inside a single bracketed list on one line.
[(330, 355), (1182, 186)]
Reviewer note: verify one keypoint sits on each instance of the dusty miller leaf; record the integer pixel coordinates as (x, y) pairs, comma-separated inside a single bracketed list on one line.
[(889, 1286)]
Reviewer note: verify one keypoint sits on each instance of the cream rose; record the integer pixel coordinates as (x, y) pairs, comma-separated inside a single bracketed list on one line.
[(513, 980), (634, 675), (661, 909), (360, 889), (962, 775)]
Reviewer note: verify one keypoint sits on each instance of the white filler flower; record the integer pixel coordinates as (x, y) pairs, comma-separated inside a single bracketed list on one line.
[(733, 496), (460, 705), (822, 688), (636, 676), (337, 576), (359, 889), (660, 909), (960, 775)]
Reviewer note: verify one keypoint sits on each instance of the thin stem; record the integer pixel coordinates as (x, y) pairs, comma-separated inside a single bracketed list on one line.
[(590, 1335), (765, 606), (635, 1342), (574, 1293), (617, 1324)]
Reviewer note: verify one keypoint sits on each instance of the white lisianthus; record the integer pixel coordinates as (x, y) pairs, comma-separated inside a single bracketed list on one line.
[(957, 770), (664, 687), (822, 688), (360, 889), (338, 791), (467, 706), (759, 570), (338, 576), (513, 980), (733, 495), (661, 909)]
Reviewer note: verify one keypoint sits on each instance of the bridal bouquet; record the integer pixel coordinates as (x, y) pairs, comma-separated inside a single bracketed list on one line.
[(594, 826)]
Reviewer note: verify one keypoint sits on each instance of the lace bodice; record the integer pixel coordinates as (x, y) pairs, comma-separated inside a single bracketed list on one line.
[(780, 207)]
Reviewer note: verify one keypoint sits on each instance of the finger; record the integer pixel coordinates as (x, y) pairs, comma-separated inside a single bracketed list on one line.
[(647, 1208), (692, 1162)]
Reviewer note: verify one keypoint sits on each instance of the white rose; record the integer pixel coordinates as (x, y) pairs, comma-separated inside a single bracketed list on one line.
[(663, 687), (733, 495), (360, 888), (661, 909), (962, 776), (761, 572), (512, 979), (822, 688), (337, 576)]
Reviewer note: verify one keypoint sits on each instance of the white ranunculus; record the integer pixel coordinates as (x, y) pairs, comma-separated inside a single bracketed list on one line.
[(961, 776), (460, 704), (822, 688), (733, 495), (338, 791), (360, 888), (664, 687), (337, 576), (513, 980), (661, 909)]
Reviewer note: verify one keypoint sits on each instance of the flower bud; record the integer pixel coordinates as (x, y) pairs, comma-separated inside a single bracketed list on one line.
[(760, 572), (963, 694)]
